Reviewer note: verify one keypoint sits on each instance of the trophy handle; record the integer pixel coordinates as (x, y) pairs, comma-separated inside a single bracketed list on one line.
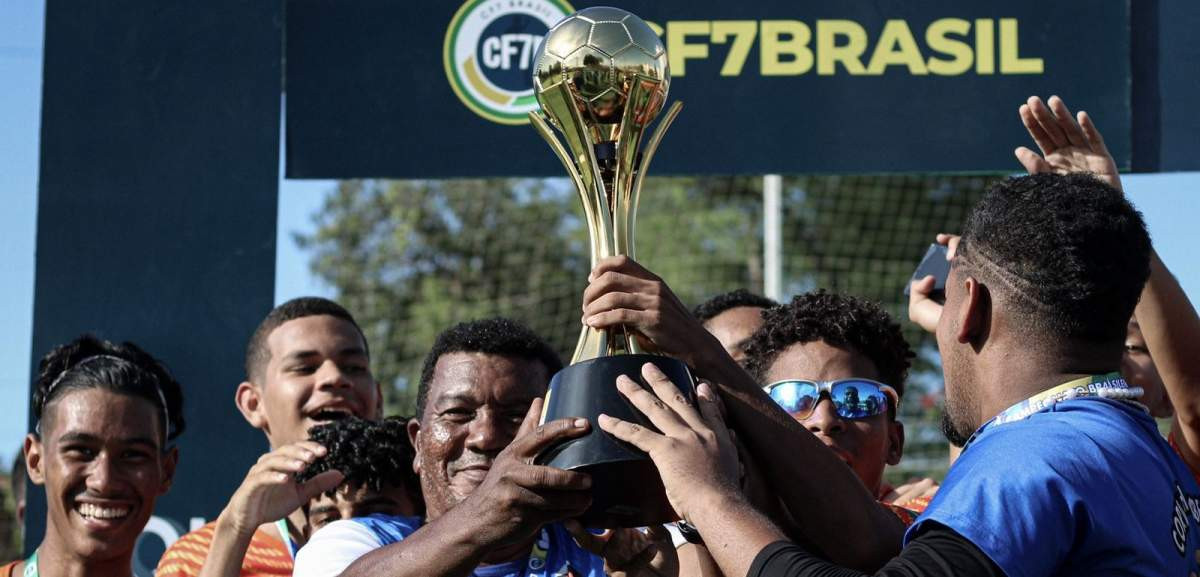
[(543, 129), (592, 193), (589, 183)]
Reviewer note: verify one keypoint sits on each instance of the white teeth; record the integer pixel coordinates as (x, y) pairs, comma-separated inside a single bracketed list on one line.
[(97, 512)]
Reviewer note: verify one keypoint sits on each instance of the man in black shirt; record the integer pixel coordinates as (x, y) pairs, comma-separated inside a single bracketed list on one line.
[(1060, 474)]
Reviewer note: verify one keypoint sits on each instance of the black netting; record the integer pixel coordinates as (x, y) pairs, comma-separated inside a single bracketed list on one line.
[(412, 257)]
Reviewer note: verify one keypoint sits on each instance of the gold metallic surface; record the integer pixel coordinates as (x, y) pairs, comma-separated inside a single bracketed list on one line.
[(601, 78)]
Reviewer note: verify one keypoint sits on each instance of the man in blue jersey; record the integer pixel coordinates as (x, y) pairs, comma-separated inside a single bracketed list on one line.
[(490, 511), (1063, 472)]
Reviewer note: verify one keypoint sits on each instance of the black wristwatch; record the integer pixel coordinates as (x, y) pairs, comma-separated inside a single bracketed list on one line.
[(689, 532)]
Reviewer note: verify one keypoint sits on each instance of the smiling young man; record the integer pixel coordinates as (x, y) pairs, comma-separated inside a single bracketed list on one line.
[(106, 418), (307, 363)]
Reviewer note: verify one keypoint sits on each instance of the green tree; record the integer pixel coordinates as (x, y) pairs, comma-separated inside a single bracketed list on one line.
[(410, 258)]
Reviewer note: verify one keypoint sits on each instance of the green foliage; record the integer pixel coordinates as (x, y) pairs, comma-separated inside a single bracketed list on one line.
[(410, 258), (10, 529)]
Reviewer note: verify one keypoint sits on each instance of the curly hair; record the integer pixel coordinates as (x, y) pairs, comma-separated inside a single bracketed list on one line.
[(841, 321), (1068, 254), (495, 336), (92, 363), (712, 307), (375, 454)]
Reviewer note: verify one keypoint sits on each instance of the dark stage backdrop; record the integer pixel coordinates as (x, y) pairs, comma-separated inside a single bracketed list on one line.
[(156, 213), (439, 89)]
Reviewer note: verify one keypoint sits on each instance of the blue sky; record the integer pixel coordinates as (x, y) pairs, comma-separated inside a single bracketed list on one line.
[(1169, 202)]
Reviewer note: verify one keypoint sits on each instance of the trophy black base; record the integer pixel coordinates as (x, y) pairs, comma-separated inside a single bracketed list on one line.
[(627, 490)]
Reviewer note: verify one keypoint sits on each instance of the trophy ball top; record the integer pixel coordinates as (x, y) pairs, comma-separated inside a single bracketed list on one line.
[(601, 54)]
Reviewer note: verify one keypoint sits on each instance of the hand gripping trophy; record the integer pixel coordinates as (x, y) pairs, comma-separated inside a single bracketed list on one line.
[(601, 78)]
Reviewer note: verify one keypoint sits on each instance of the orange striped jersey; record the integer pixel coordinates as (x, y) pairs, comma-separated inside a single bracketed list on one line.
[(10, 570), (266, 557), (906, 515), (909, 512), (917, 504)]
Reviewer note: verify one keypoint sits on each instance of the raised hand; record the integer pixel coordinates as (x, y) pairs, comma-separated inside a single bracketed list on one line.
[(922, 309), (694, 453), (270, 490), (517, 497), (1068, 143), (622, 292)]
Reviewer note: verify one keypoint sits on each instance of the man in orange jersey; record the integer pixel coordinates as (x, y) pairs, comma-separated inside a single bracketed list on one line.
[(306, 364)]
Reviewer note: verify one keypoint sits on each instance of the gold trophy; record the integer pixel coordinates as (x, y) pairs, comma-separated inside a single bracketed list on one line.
[(601, 78)]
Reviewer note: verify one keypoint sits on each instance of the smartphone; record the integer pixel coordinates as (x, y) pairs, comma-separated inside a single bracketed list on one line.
[(933, 263)]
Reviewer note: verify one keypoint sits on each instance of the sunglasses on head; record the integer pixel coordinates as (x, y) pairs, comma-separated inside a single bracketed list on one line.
[(852, 398)]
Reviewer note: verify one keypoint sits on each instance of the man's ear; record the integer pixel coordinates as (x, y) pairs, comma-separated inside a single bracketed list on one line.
[(895, 442), (170, 461), (33, 459), (248, 399), (973, 312), (414, 436)]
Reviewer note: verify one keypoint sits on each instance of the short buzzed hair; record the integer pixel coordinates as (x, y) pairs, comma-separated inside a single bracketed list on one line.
[(258, 354), (709, 309), (1068, 253), (494, 336)]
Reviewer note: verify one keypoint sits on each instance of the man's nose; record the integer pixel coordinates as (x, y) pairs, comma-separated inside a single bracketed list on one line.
[(330, 375), (488, 433), (101, 475), (825, 419)]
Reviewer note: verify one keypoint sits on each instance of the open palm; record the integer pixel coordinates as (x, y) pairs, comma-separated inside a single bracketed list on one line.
[(1068, 143)]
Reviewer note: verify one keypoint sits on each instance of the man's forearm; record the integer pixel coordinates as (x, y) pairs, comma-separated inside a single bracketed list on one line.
[(1172, 331), (228, 548), (831, 505), (938, 552), (444, 548), (734, 533)]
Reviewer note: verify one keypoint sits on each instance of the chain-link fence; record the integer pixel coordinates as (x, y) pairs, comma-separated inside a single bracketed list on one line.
[(413, 257)]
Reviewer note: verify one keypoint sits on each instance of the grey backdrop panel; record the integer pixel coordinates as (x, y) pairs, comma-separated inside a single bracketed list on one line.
[(157, 208)]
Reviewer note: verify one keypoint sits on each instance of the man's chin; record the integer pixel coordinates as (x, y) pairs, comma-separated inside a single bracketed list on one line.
[(462, 485), (952, 431)]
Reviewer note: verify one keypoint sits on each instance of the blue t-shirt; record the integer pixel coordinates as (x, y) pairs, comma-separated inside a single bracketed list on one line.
[(335, 546), (1086, 487)]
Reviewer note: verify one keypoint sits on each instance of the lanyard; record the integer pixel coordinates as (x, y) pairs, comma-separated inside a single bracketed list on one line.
[(285, 534), (1109, 385), (1106, 385)]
